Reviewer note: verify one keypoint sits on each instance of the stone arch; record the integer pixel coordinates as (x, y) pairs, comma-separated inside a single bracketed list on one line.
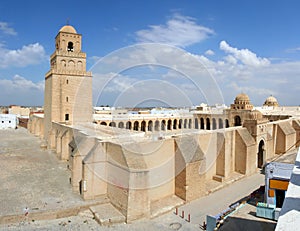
[(169, 127), (190, 123), (261, 154), (175, 124), (207, 123), (112, 124), (180, 124), (143, 126), (150, 126), (79, 65), (214, 124), (71, 64), (221, 123), (202, 123), (103, 123), (163, 125), (196, 124), (156, 125), (237, 121), (185, 123), (128, 125), (226, 123), (63, 63), (121, 125), (136, 125)]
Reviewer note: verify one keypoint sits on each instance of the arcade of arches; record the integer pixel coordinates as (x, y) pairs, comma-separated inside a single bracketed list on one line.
[(165, 124)]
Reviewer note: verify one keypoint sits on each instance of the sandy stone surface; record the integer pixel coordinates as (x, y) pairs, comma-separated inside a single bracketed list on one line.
[(33, 178)]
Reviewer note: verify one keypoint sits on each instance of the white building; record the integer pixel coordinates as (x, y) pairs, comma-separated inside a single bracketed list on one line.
[(8, 121)]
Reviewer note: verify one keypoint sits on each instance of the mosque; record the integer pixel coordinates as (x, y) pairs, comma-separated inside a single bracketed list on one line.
[(136, 160)]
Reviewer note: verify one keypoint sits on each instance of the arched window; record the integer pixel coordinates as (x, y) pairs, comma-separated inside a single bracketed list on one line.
[(112, 124), (260, 154), (207, 124), (220, 123), (201, 123), (237, 121), (226, 123), (175, 124), (163, 125), (150, 126), (136, 126), (169, 124), (185, 123), (121, 125), (214, 124), (128, 125), (70, 47), (143, 126), (180, 124), (190, 123), (196, 124)]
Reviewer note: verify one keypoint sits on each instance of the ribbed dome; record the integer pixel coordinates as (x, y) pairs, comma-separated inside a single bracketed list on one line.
[(68, 29), (242, 97), (242, 101), (271, 101)]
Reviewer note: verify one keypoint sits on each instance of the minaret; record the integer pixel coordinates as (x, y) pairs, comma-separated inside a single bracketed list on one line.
[(68, 86)]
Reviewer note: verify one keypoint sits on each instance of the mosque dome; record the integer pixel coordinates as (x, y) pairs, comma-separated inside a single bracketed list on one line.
[(242, 98), (68, 29), (242, 101), (271, 101)]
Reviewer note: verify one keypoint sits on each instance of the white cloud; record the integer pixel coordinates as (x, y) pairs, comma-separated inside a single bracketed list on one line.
[(209, 52), (19, 83), (179, 31), (231, 74), (292, 50), (27, 55), (4, 27), (21, 91), (252, 90), (246, 56)]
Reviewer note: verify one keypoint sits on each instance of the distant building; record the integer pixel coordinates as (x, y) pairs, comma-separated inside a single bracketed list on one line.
[(19, 111), (271, 101), (8, 121)]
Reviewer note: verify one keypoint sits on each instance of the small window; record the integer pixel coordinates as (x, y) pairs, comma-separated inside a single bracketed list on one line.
[(9, 121), (66, 117), (67, 99), (70, 46), (67, 82)]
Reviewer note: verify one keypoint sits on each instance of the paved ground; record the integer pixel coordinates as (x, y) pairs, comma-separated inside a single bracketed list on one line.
[(31, 177), (36, 179)]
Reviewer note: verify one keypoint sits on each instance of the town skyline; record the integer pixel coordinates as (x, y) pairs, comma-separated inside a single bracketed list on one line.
[(246, 47)]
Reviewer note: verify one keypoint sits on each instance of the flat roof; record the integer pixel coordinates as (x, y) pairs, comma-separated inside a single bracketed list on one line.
[(289, 218)]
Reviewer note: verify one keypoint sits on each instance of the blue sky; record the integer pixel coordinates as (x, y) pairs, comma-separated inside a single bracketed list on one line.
[(247, 46)]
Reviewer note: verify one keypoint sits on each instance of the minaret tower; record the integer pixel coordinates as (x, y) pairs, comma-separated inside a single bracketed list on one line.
[(68, 86)]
